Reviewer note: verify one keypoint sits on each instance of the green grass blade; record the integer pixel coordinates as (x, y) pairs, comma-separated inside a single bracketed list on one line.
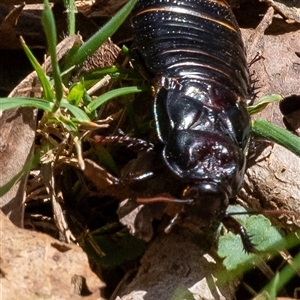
[(114, 72), (50, 31), (8, 103), (67, 123), (48, 92), (78, 147), (90, 46), (115, 93), (21, 174), (76, 93), (71, 12), (285, 275), (261, 104), (79, 114), (271, 132)]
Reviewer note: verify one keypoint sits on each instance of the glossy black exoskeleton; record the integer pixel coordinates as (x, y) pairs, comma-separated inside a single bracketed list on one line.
[(194, 50)]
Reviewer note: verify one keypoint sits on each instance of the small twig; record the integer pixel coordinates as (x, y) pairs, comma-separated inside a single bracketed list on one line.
[(103, 82)]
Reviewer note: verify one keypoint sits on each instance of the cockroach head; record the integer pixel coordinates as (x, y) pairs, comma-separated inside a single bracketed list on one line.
[(210, 200)]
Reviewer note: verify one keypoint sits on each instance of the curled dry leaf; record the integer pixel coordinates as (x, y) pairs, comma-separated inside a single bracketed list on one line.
[(103, 57), (138, 218), (173, 262), (287, 8), (36, 266), (278, 72), (106, 8), (273, 183), (17, 133), (8, 36)]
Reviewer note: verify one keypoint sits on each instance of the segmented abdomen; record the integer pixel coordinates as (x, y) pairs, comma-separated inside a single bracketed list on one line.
[(192, 39)]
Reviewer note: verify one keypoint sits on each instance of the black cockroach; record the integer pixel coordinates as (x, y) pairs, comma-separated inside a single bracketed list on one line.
[(194, 50)]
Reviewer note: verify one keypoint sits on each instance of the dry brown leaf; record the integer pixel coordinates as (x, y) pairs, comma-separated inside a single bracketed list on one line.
[(36, 266), (172, 261)]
